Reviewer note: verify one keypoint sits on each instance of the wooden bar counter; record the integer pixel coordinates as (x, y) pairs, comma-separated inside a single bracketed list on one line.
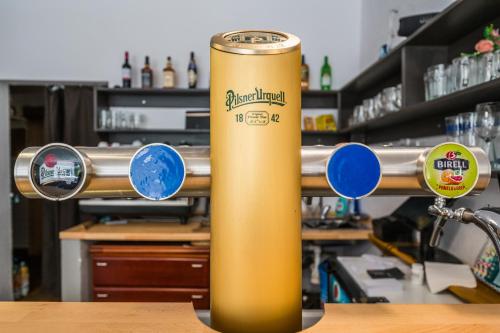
[(192, 231), (77, 317)]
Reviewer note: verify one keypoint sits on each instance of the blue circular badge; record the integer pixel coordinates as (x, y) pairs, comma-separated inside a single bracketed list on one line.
[(157, 171), (353, 171)]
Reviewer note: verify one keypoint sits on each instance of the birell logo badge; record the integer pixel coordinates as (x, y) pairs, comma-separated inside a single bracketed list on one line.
[(451, 170), (235, 100), (53, 170)]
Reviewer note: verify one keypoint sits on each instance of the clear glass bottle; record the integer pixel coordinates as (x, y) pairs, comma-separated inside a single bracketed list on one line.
[(169, 74)]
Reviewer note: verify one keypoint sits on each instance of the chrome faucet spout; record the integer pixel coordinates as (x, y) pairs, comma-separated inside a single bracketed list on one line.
[(486, 219)]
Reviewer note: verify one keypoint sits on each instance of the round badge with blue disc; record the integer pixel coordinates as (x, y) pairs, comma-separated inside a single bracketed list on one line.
[(157, 171), (353, 171)]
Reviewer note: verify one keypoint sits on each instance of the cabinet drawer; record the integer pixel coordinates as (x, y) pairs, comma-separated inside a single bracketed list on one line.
[(151, 271), (199, 297)]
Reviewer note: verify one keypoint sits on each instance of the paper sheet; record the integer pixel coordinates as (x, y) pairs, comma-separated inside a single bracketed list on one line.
[(440, 276)]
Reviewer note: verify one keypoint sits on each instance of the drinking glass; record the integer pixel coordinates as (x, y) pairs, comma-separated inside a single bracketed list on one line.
[(131, 120), (390, 99), (115, 119), (399, 97), (452, 125), (461, 69), (105, 119), (496, 64), (368, 109), (488, 123), (438, 80), (378, 106), (431, 83), (449, 80), (485, 67), (353, 119), (467, 122), (358, 115), (427, 86), (474, 74)]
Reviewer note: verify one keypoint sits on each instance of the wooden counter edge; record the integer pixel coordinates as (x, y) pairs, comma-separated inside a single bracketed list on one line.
[(380, 317), (80, 317), (84, 232)]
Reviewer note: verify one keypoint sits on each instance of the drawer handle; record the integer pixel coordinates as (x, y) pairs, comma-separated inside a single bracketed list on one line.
[(196, 296), (102, 295), (197, 265), (101, 264)]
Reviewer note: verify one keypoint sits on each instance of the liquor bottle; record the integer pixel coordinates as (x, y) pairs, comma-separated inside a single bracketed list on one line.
[(192, 72), (168, 75), (304, 74), (126, 73), (147, 74), (326, 75)]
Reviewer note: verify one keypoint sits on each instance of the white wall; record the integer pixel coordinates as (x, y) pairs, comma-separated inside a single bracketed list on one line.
[(85, 40), (375, 22)]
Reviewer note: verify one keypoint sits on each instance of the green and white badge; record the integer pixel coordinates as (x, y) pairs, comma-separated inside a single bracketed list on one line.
[(450, 170)]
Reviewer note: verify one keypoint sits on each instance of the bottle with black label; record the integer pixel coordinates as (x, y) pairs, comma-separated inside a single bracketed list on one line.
[(192, 72), (168, 75), (126, 73), (147, 75)]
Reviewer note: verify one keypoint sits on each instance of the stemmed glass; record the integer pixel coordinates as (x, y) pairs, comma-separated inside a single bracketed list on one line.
[(488, 124)]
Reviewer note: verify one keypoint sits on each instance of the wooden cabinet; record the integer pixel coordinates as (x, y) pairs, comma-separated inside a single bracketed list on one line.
[(151, 273)]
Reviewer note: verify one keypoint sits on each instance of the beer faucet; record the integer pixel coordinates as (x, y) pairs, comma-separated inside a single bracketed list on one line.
[(486, 219)]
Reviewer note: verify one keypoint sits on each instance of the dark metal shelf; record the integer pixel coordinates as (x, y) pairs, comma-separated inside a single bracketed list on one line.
[(202, 136), (456, 21), (334, 133), (154, 131), (192, 98), (196, 131), (154, 91), (428, 114)]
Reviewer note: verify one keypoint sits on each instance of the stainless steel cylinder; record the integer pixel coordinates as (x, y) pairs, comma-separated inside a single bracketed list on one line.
[(401, 171), (109, 172), (109, 169)]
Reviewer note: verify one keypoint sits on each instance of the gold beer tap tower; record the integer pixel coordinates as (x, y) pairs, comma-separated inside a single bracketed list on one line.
[(255, 172)]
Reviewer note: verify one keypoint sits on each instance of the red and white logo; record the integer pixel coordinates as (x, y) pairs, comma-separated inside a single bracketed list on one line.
[(53, 170), (451, 155), (50, 160)]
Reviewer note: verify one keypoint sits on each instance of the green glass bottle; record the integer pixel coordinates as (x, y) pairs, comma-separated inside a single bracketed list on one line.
[(326, 75)]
